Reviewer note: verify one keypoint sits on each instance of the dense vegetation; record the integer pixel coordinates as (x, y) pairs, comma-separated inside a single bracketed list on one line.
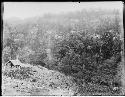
[(85, 44)]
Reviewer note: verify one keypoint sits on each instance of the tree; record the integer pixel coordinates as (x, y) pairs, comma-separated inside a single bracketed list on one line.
[(6, 54)]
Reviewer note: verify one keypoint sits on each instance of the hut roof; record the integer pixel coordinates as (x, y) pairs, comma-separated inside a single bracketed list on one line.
[(17, 62), (14, 62)]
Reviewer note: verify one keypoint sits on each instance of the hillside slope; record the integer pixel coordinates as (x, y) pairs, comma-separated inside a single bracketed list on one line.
[(36, 81)]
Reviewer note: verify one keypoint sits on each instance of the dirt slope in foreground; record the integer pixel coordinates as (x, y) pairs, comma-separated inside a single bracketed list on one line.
[(40, 81)]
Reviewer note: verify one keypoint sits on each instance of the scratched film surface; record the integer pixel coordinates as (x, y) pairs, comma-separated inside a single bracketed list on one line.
[(63, 49)]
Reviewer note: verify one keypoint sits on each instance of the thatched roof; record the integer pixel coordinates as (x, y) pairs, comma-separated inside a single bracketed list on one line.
[(17, 62), (14, 62)]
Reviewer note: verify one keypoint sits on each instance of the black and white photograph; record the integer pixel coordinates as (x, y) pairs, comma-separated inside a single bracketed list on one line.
[(62, 49)]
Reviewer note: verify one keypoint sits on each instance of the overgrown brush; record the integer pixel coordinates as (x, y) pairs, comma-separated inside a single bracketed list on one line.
[(22, 73)]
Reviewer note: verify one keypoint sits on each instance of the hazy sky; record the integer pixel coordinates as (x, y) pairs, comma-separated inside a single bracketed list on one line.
[(31, 9)]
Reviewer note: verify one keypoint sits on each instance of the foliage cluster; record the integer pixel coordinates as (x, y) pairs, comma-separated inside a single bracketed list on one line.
[(84, 44)]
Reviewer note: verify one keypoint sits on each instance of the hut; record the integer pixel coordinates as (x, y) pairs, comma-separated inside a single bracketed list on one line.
[(13, 63)]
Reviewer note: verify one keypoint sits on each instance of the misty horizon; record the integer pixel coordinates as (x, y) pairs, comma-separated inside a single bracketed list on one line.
[(26, 10)]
